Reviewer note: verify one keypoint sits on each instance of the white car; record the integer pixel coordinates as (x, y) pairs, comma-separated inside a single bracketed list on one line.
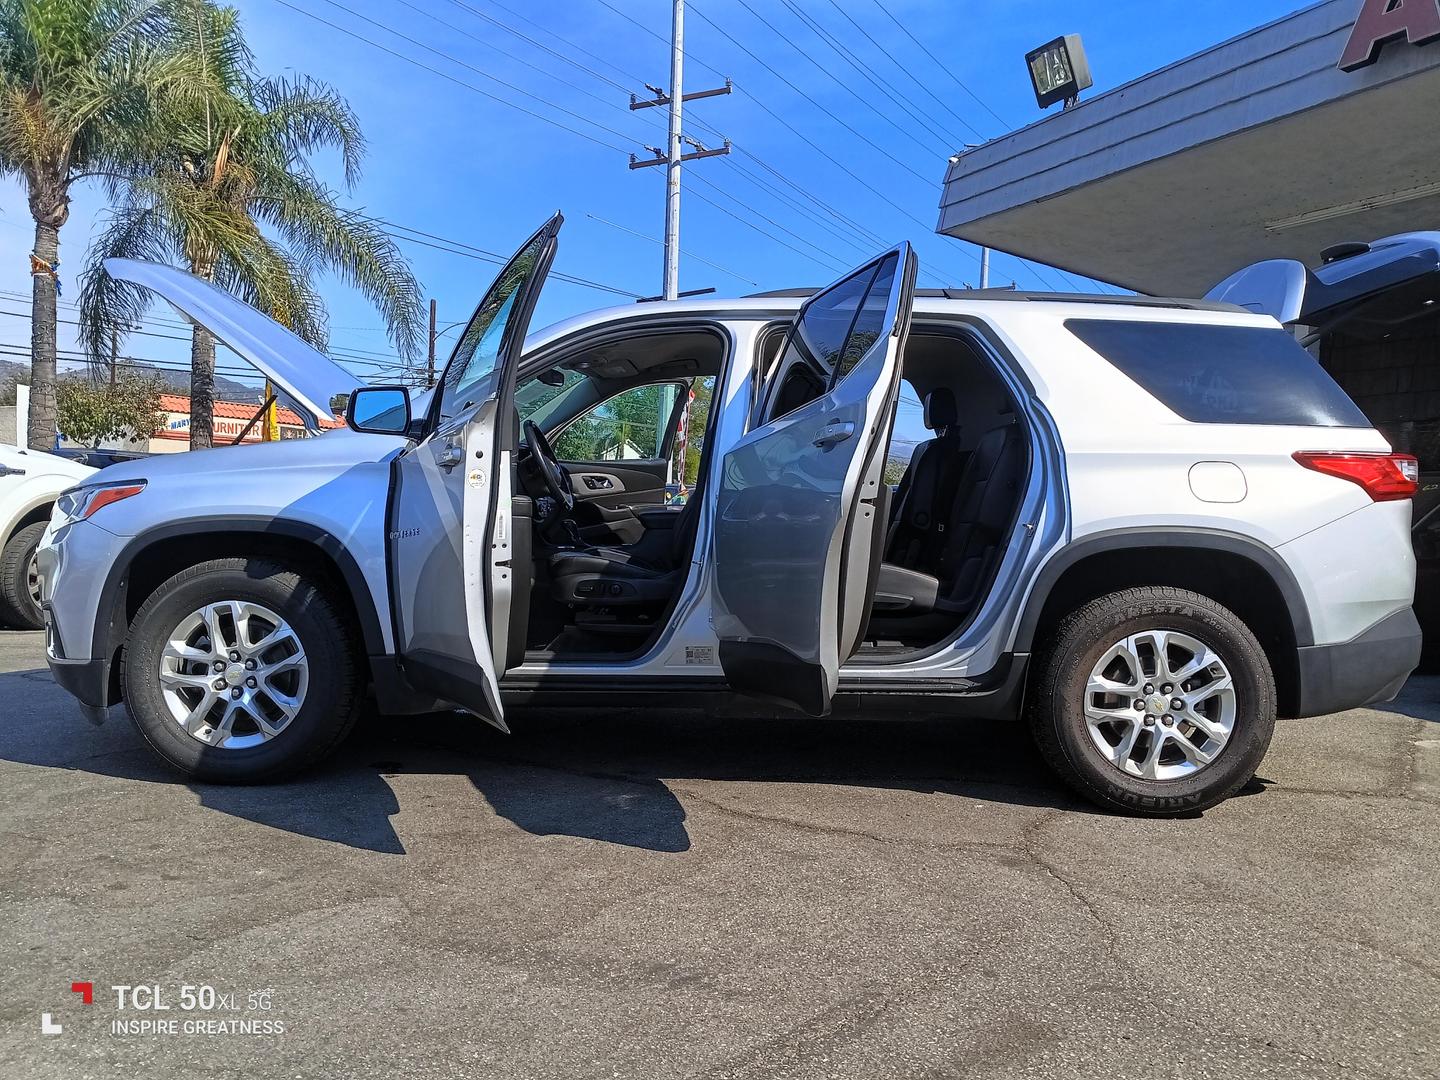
[(30, 482), (1149, 527)]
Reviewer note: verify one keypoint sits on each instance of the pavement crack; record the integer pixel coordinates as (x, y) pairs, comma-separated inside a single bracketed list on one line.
[(1029, 848)]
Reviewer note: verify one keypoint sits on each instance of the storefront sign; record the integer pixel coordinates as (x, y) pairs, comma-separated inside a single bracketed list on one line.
[(1382, 21)]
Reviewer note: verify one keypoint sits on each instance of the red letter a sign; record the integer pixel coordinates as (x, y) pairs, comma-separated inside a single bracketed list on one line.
[(1417, 21)]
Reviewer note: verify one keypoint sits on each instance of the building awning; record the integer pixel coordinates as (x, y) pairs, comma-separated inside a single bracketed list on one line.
[(1260, 148)]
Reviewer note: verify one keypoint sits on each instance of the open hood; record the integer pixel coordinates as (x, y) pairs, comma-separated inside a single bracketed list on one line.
[(306, 375)]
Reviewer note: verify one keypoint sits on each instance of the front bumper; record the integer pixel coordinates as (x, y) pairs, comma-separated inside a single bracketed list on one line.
[(88, 681), (74, 562), (1368, 669)]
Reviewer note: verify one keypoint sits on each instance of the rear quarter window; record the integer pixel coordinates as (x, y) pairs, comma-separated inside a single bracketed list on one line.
[(1223, 374)]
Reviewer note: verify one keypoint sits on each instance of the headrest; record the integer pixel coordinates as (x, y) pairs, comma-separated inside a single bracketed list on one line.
[(940, 409)]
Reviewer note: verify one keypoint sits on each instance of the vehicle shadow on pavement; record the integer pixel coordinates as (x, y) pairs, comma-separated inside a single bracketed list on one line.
[(592, 775)]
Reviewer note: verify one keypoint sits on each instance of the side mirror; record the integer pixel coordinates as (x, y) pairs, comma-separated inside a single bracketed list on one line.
[(379, 410)]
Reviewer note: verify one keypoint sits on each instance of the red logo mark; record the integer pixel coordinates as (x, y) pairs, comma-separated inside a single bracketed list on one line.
[(85, 990)]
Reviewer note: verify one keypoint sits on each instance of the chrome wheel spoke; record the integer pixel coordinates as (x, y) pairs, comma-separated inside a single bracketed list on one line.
[(1193, 752), (1126, 746), (1166, 693), (254, 657), (194, 720), (289, 663), (1150, 763), (1193, 698), (180, 678)]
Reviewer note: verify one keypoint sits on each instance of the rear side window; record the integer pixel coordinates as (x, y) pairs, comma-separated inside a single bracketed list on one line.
[(1223, 374)]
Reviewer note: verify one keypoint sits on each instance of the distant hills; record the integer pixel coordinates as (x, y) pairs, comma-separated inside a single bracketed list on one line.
[(176, 381)]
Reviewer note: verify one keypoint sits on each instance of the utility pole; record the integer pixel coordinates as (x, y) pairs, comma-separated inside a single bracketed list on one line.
[(430, 362), (984, 268), (672, 156)]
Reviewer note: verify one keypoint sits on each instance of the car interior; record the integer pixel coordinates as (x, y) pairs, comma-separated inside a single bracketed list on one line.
[(954, 507), (614, 531)]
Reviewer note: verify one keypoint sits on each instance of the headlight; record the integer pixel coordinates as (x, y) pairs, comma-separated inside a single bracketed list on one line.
[(78, 504)]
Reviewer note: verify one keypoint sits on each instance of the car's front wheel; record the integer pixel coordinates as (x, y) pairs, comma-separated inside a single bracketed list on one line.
[(1153, 700), (239, 671)]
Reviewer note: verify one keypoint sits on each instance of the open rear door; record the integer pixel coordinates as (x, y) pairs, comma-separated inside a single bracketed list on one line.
[(798, 524), (451, 532)]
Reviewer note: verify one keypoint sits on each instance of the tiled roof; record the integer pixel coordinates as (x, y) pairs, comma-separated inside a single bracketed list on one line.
[(239, 410)]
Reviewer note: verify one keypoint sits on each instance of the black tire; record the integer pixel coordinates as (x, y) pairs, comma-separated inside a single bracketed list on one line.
[(329, 708), (1057, 700), (18, 609)]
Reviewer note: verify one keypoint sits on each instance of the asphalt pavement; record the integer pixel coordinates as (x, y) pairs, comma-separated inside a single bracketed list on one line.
[(668, 895)]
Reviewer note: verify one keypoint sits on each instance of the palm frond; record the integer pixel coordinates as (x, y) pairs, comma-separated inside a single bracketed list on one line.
[(109, 306), (306, 115), (351, 246)]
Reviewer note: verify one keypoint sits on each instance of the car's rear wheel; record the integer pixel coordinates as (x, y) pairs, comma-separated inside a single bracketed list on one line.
[(240, 670), (20, 580), (1153, 700)]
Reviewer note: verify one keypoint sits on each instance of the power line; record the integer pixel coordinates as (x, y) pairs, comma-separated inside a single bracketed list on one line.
[(469, 67), (837, 119), (751, 225), (687, 254), (539, 45), (947, 142), (905, 70), (953, 77), (451, 78)]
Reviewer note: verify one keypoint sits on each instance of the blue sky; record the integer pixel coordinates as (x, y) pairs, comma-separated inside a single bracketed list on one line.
[(448, 160)]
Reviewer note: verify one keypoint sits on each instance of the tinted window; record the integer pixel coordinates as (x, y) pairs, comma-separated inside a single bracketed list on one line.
[(478, 349), (870, 321), (834, 331), (1223, 374)]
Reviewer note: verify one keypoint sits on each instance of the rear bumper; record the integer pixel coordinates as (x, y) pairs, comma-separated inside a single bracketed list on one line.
[(1365, 670)]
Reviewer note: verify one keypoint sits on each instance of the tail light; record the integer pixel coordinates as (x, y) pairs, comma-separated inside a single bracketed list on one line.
[(1384, 477)]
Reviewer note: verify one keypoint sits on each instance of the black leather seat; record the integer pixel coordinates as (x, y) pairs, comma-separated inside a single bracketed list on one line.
[(984, 509), (922, 502), (976, 523), (645, 573)]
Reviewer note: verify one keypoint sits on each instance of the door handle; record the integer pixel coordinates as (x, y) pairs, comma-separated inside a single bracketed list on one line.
[(834, 433), (451, 454)]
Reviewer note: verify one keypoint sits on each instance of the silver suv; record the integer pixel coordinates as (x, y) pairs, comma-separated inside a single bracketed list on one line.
[(1149, 526)]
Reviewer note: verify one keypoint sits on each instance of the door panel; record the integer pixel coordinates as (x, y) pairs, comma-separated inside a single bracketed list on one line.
[(633, 483), (797, 519), (454, 578)]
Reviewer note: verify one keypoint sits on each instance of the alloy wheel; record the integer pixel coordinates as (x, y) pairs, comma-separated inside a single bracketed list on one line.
[(32, 578), (233, 674), (1160, 705)]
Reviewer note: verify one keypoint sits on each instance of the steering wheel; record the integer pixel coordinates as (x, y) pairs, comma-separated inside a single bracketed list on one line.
[(557, 480)]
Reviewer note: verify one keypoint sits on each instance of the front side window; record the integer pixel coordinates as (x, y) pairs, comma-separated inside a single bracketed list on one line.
[(469, 373), (1215, 374), (833, 332), (633, 425)]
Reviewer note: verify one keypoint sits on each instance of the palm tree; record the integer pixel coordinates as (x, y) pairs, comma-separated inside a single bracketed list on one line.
[(79, 80), (229, 192)]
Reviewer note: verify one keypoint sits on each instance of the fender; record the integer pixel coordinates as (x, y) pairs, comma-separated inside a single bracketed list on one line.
[(1176, 537), (107, 635), (30, 507)]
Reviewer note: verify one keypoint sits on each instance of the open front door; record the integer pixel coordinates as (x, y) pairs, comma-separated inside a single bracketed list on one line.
[(451, 531), (799, 522)]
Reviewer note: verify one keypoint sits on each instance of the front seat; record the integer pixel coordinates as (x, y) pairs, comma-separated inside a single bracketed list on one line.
[(922, 502), (645, 573)]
